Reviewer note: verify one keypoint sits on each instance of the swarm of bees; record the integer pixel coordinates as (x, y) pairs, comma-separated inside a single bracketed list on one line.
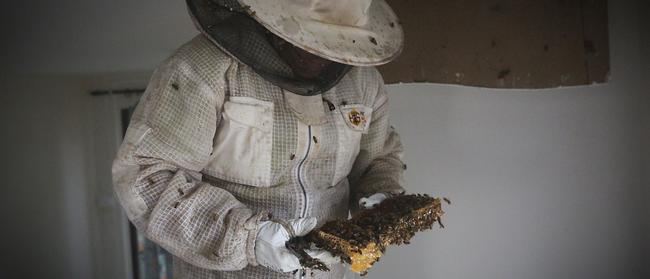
[(362, 240)]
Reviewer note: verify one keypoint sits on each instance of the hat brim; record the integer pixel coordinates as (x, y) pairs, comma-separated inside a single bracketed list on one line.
[(378, 42)]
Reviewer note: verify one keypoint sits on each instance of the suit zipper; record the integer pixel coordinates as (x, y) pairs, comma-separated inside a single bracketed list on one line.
[(301, 272), (300, 180)]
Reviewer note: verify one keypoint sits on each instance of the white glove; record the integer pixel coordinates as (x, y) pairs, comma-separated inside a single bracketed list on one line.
[(270, 249), (372, 201), (324, 256)]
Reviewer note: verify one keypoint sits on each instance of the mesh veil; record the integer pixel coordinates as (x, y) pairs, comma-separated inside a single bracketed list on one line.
[(229, 26)]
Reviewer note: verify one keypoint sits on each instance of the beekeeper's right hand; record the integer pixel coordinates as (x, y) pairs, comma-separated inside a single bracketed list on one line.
[(270, 249)]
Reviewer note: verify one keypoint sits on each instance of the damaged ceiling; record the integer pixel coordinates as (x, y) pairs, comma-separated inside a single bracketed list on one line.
[(502, 44)]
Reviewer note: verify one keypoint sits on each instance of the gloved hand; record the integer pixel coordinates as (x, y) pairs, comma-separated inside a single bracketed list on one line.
[(270, 249), (372, 201)]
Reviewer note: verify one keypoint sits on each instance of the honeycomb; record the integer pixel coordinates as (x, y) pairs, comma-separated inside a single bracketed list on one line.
[(362, 240)]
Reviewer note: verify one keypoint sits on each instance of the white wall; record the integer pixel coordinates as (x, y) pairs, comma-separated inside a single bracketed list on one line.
[(645, 46), (59, 216), (545, 184), (45, 232), (82, 37)]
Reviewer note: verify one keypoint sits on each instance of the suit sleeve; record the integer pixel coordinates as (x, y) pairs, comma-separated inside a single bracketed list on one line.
[(157, 174), (378, 167)]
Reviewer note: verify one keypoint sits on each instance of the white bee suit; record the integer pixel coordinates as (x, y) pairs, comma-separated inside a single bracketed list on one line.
[(213, 149)]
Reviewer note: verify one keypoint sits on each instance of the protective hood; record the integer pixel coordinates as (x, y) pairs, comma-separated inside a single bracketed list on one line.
[(229, 26)]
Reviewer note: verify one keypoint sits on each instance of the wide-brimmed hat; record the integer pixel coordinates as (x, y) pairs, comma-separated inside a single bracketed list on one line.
[(353, 32), (245, 33)]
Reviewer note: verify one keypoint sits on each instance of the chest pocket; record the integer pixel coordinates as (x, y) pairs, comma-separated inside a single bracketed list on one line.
[(352, 122), (243, 143)]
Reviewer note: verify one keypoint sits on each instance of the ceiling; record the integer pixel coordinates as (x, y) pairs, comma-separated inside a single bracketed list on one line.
[(91, 36)]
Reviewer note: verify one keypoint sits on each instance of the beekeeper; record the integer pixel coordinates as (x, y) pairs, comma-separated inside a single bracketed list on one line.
[(269, 124)]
